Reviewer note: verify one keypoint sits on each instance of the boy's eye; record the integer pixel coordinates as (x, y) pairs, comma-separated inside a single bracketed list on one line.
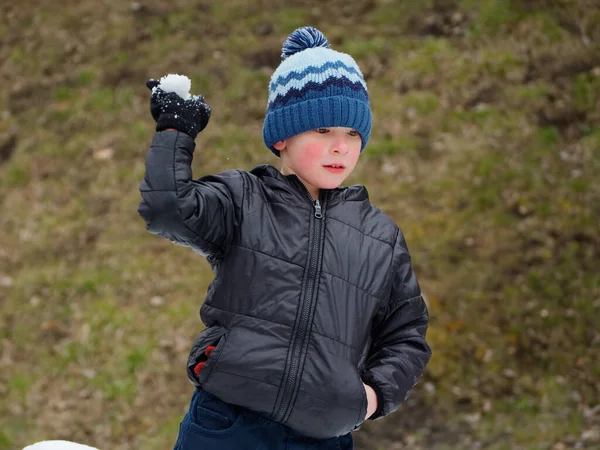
[(321, 130), (353, 133)]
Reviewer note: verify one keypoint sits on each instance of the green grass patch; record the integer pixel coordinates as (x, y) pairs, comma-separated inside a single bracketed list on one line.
[(361, 48), (137, 358), (528, 98), (141, 129), (429, 57), (397, 14), (493, 16), (500, 63), (225, 12), (423, 102), (86, 77), (487, 119), (390, 146), (121, 57), (548, 26), (546, 138), (592, 141), (6, 442), (15, 175), (64, 93), (101, 99), (586, 91), (287, 20), (580, 185), (18, 57), (246, 83), (120, 388), (20, 384), (163, 437)]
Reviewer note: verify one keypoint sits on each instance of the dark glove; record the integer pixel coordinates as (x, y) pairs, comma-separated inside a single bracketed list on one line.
[(169, 110)]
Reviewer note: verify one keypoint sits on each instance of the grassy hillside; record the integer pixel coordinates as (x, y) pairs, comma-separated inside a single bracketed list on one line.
[(485, 150)]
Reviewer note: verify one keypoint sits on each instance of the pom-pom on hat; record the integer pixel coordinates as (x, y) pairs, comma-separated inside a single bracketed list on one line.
[(315, 87)]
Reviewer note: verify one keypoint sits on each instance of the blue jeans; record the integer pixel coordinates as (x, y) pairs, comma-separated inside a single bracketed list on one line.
[(211, 424)]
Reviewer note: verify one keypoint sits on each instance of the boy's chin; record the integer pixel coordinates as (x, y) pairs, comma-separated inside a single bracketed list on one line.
[(330, 184)]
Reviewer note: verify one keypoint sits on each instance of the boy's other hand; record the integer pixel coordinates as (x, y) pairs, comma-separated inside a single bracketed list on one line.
[(371, 400), (169, 110)]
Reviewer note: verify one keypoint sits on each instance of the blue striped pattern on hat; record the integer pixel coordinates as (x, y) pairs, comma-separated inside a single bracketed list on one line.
[(316, 88)]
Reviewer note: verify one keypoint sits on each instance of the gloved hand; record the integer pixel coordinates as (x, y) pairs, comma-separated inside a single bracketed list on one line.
[(169, 110)]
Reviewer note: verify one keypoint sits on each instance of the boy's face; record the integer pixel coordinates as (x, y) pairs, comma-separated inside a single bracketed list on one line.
[(311, 156)]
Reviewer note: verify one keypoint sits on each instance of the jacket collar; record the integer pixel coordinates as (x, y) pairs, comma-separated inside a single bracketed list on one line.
[(353, 193)]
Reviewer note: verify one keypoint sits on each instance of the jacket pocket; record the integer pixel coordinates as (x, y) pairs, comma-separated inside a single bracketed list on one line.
[(211, 424), (214, 415), (210, 336)]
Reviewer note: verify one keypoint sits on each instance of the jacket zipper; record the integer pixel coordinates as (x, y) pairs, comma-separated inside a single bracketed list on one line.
[(307, 304)]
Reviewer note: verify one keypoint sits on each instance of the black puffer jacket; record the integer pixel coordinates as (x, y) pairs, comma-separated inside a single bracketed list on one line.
[(310, 298)]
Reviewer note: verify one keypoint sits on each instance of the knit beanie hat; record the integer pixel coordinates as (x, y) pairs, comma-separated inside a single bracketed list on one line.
[(315, 87)]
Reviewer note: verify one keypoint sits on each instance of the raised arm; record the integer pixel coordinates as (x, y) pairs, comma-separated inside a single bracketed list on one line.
[(202, 214)]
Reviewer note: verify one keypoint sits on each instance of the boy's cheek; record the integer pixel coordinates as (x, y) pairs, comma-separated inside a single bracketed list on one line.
[(310, 156)]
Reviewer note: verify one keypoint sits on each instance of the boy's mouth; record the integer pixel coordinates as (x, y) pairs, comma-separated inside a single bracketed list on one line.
[(335, 168)]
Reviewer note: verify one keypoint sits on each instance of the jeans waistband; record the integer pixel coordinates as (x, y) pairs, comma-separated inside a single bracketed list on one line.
[(260, 418)]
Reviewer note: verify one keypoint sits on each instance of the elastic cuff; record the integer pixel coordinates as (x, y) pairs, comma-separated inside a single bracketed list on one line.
[(171, 121)]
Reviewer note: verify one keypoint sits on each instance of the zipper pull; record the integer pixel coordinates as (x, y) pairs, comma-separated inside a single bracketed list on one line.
[(318, 214)]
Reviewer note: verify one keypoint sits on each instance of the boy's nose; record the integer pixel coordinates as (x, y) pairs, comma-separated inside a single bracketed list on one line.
[(339, 146)]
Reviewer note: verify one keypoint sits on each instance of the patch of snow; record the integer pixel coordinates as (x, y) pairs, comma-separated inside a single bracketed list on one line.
[(58, 445)]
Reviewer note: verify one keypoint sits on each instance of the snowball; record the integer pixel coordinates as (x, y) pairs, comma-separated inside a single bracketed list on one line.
[(58, 445), (180, 84)]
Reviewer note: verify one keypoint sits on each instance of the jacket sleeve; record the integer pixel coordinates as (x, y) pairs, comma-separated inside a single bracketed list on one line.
[(202, 214), (398, 353)]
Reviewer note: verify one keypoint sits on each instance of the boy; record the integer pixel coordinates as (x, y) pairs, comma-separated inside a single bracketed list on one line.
[(314, 320)]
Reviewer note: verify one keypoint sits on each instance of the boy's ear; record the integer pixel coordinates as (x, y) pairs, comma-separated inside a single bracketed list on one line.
[(279, 145)]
